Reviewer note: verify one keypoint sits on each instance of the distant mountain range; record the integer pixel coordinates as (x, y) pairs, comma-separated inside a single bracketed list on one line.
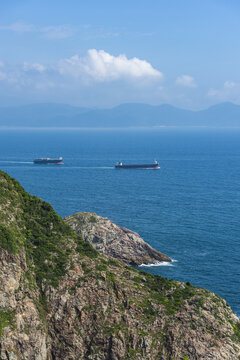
[(122, 116)]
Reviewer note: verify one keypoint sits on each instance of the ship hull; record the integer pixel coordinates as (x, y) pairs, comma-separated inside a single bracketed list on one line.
[(143, 166), (48, 161)]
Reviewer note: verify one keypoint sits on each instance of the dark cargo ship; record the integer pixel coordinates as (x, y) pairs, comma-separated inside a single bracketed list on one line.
[(120, 165), (58, 161)]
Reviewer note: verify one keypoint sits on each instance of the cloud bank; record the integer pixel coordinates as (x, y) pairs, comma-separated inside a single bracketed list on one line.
[(229, 91), (97, 78), (97, 66), (101, 66), (100, 78)]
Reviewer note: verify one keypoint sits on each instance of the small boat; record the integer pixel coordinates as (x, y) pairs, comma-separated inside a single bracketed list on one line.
[(120, 165), (58, 161)]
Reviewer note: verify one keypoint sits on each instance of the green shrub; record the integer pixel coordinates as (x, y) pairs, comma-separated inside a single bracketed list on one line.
[(8, 239), (93, 219), (6, 319)]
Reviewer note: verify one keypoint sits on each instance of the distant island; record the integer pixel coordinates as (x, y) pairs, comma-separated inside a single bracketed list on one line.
[(122, 116)]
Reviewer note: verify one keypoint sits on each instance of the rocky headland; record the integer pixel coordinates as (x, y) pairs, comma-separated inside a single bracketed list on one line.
[(61, 299), (114, 241)]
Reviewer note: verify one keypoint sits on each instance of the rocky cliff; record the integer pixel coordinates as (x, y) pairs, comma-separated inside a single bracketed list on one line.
[(113, 240), (61, 299)]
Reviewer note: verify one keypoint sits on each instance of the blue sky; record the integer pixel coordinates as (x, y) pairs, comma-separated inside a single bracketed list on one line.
[(103, 53)]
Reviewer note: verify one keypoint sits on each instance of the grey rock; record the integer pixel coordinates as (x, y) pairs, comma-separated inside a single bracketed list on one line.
[(114, 241)]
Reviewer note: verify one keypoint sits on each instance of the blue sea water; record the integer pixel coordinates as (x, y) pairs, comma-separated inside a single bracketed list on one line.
[(188, 209)]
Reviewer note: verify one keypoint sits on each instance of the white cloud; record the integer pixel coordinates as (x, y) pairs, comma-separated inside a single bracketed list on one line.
[(19, 26), (186, 81), (229, 91), (102, 67), (57, 32), (50, 32), (229, 84), (33, 67)]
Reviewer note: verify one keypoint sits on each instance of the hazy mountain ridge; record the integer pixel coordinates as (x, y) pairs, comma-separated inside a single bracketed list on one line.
[(122, 116)]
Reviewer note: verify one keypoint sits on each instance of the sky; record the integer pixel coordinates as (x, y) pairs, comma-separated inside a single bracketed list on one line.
[(103, 53)]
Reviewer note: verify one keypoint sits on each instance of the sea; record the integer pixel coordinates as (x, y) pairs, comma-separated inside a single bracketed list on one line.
[(188, 209)]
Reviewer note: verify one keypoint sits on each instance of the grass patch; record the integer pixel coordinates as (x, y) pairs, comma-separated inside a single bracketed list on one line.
[(93, 219), (110, 276), (113, 263), (147, 308), (101, 267), (6, 319), (236, 329), (9, 239), (167, 292)]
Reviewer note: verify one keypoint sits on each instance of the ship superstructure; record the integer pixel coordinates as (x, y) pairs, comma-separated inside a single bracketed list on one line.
[(58, 161)]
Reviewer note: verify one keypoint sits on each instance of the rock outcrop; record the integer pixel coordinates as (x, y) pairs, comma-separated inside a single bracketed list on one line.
[(61, 299), (114, 241)]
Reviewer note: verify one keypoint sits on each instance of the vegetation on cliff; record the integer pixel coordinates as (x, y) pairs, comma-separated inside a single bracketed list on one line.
[(39, 230), (61, 299)]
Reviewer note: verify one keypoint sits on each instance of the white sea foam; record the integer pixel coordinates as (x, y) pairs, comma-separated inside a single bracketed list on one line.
[(101, 167), (159, 263), (89, 167)]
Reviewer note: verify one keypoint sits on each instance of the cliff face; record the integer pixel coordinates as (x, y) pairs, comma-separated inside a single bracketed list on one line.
[(113, 240), (61, 299)]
